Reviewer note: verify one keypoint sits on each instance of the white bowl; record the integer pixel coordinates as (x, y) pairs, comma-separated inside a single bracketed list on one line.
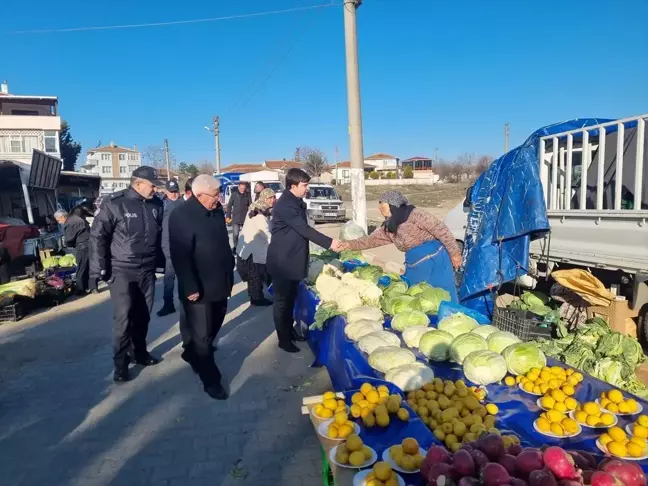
[(604, 450), (360, 478), (530, 393), (365, 464), (572, 415), (549, 434), (312, 411), (388, 459), (322, 429), (639, 410)]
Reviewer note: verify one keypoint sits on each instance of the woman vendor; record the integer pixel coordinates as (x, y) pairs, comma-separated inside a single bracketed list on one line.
[(430, 249)]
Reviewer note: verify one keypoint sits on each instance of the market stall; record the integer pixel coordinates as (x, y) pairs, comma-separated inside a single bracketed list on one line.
[(517, 412)]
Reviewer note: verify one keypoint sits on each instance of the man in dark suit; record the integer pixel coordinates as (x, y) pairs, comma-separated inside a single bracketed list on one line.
[(287, 259), (204, 265)]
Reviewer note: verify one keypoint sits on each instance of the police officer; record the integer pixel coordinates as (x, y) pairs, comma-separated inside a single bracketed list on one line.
[(125, 241)]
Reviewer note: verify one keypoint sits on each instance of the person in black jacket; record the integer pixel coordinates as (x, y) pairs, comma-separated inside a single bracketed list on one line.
[(77, 235), (204, 264), (237, 209), (124, 241), (172, 201), (287, 259)]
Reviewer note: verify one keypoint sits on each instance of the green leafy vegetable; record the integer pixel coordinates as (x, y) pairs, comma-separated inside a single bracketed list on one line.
[(457, 324), (484, 367), (430, 299), (418, 288), (500, 340), (463, 345), (347, 255), (521, 357), (371, 273), (324, 312), (435, 345), (409, 318)]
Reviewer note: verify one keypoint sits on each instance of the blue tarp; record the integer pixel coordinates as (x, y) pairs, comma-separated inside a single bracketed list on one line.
[(507, 211), (348, 368)]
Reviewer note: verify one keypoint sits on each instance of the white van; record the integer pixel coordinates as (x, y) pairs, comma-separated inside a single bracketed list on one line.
[(324, 204)]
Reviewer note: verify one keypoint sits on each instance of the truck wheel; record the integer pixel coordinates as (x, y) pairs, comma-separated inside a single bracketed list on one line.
[(642, 327)]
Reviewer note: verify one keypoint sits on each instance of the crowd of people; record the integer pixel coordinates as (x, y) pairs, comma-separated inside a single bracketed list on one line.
[(133, 229)]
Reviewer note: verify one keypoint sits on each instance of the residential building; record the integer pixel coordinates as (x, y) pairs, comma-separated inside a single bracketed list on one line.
[(418, 163), (382, 162), (28, 123), (342, 171), (282, 165), (244, 168), (114, 164)]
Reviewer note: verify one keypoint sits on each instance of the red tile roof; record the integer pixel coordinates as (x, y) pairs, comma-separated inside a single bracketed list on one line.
[(380, 156), (347, 164), (282, 164), (245, 168)]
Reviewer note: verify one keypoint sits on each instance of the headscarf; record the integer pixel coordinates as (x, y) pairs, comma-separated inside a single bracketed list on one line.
[(400, 210), (261, 205)]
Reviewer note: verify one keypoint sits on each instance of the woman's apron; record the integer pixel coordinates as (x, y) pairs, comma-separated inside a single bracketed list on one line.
[(430, 262)]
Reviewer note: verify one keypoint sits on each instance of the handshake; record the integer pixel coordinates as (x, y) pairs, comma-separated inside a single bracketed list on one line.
[(337, 246)]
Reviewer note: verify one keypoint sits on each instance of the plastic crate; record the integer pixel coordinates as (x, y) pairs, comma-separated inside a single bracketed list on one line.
[(13, 312), (523, 324), (327, 474)]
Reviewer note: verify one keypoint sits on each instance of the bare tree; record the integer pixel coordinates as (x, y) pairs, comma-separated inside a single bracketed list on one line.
[(482, 164), (153, 155), (313, 160), (206, 168)]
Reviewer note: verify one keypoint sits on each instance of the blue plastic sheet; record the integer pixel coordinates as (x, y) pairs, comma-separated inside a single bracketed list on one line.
[(448, 308), (507, 211), (348, 369)]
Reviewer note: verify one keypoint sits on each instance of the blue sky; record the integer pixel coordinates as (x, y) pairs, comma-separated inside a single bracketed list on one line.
[(444, 74)]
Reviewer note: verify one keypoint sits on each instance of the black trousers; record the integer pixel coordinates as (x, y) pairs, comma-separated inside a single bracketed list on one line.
[(202, 321), (132, 296), (83, 269), (169, 281), (284, 303)]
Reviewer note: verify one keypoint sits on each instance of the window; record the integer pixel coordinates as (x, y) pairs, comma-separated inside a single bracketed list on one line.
[(25, 112), (106, 170), (132, 168), (105, 156), (122, 170), (345, 174), (133, 157), (16, 145), (51, 144), (122, 156)]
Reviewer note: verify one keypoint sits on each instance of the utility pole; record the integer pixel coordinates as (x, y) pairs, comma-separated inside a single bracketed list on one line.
[(359, 202), (337, 163), (436, 155), (166, 158), (507, 130), (216, 130)]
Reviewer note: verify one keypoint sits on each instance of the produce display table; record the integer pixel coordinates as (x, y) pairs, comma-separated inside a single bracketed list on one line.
[(348, 368)]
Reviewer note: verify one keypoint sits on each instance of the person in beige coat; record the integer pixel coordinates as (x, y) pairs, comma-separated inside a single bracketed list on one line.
[(252, 247)]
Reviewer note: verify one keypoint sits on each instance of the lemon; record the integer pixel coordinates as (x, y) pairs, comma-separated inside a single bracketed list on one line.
[(632, 403), (615, 396), (535, 370), (592, 420), (605, 402), (330, 403), (509, 380), (317, 409), (571, 403), (356, 410), (382, 420), (560, 406), (536, 390), (519, 378), (357, 458), (617, 434), (579, 376), (557, 429), (341, 418), (624, 407), (396, 452), (558, 395), (546, 375), (354, 443), (557, 370), (555, 416), (613, 407), (544, 388), (532, 376), (568, 390), (639, 440), (569, 371), (640, 431), (366, 388), (605, 439), (591, 408), (617, 449), (634, 449), (383, 389), (332, 431), (326, 413), (603, 396), (366, 452), (543, 424), (607, 419), (403, 414), (365, 412), (345, 430), (643, 420), (570, 426), (373, 396), (382, 471), (407, 463), (581, 416), (547, 402), (554, 384), (492, 408), (572, 380)]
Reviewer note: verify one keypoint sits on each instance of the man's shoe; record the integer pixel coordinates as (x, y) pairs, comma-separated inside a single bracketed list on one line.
[(148, 361), (217, 392), (166, 310), (94, 291), (261, 302), (121, 376), (290, 347)]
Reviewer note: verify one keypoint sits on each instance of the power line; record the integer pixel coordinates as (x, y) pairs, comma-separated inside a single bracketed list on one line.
[(175, 22)]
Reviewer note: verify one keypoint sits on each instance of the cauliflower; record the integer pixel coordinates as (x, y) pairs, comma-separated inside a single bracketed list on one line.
[(326, 286), (376, 339), (364, 312), (410, 376), (385, 358), (412, 335), (347, 298), (359, 329), (369, 292)]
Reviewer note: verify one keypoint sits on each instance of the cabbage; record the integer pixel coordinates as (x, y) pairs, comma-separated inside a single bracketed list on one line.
[(521, 357), (359, 329), (457, 324), (67, 261), (397, 303), (485, 330), (484, 367), (347, 255), (50, 262), (435, 345), (406, 319), (395, 288), (385, 358), (364, 312), (500, 340), (370, 342), (463, 345), (370, 273), (24, 288), (410, 376), (418, 288), (430, 298), (412, 335)]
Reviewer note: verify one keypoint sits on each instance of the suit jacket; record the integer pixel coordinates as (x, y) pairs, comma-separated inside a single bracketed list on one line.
[(288, 250), (200, 251)]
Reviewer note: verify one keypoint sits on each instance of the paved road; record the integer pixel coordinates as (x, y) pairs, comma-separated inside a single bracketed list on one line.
[(63, 422)]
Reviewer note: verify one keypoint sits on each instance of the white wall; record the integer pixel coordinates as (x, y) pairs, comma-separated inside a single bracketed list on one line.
[(26, 141), (399, 182)]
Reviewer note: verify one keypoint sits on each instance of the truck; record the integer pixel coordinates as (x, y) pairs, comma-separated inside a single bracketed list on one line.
[(598, 221), (323, 203)]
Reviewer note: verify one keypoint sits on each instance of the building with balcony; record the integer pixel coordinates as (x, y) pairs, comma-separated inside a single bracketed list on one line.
[(114, 164), (28, 123), (383, 162)]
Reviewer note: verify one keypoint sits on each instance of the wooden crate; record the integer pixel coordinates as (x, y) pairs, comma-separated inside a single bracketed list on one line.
[(618, 315)]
